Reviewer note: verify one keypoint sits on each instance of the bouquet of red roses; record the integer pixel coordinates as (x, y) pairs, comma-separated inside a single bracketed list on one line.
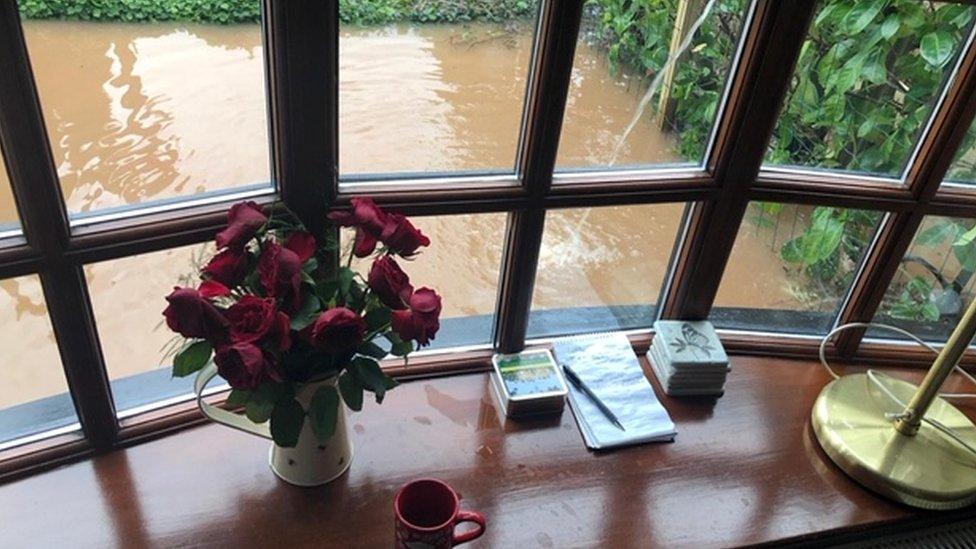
[(272, 320)]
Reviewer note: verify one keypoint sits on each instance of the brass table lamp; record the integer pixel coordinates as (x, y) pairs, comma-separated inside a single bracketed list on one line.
[(890, 435)]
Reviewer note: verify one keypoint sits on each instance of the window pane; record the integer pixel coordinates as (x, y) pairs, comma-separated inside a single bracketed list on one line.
[(430, 97), (128, 296), (462, 264), (138, 112), (621, 78), (8, 208), (934, 283), (868, 76), (791, 267), (33, 393), (602, 268), (963, 167)]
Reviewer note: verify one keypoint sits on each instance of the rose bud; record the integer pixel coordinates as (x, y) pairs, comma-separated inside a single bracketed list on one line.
[(242, 364), (364, 213), (338, 330), (422, 320), (402, 237), (228, 267), (191, 315), (302, 243), (390, 283), (251, 318), (211, 289), (369, 221), (280, 271), (364, 244), (243, 220)]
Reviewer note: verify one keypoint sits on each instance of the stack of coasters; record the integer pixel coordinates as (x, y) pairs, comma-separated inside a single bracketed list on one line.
[(688, 359)]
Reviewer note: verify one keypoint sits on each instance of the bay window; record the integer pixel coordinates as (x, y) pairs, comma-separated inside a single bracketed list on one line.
[(775, 167)]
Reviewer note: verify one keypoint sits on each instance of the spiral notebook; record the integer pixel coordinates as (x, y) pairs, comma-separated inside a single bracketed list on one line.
[(606, 363)]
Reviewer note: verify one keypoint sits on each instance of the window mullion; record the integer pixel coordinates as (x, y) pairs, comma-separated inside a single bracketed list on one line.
[(760, 85), (545, 103), (935, 154), (45, 223), (947, 131), (303, 45)]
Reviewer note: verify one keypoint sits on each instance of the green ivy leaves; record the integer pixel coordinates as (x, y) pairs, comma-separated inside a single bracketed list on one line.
[(819, 242), (861, 15), (937, 47)]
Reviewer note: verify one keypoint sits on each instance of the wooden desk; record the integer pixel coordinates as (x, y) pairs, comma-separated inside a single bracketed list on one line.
[(745, 469)]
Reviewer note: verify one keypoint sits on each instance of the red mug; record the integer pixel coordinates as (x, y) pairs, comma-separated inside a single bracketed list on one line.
[(426, 511)]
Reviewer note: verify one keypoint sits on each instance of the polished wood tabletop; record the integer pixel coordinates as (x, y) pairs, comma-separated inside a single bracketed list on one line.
[(744, 469)]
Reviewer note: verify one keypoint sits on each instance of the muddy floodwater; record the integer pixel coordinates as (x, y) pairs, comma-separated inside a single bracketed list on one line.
[(142, 112)]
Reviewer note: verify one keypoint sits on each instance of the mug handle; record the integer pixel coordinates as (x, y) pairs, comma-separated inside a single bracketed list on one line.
[(469, 516), (219, 415)]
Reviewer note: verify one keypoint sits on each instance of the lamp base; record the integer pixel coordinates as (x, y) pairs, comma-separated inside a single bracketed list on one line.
[(928, 470)]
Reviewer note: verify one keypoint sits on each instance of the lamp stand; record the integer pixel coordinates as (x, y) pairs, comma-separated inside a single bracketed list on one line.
[(907, 460)]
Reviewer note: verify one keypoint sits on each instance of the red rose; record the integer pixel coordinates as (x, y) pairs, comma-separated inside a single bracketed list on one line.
[(422, 320), (364, 213), (280, 333), (369, 221), (228, 267), (243, 365), (280, 271), (211, 288), (338, 330), (390, 283), (402, 237), (243, 220), (302, 243), (190, 315), (251, 318)]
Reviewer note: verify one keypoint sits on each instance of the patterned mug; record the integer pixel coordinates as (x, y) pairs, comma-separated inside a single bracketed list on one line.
[(426, 512)]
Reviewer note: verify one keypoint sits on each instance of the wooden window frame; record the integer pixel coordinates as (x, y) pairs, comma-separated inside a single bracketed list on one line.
[(302, 48)]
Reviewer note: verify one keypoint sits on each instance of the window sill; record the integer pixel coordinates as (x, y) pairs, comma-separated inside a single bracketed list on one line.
[(745, 469)]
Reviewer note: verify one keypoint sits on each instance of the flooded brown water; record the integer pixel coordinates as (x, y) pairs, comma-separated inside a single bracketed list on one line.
[(143, 112)]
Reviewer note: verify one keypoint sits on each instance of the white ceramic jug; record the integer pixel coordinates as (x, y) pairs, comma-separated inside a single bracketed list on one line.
[(310, 462)]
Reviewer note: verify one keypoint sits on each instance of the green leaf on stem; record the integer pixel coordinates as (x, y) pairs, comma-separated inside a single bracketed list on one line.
[(326, 290), (400, 347), (307, 314), (377, 318), (192, 358), (346, 276), (262, 400), (373, 378), (238, 397), (258, 410), (323, 412), (368, 348), (351, 389), (287, 420)]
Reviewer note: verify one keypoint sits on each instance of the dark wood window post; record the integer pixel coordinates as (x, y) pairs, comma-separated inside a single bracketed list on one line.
[(45, 224)]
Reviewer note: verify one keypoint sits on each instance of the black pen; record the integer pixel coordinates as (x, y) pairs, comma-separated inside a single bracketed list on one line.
[(578, 383)]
